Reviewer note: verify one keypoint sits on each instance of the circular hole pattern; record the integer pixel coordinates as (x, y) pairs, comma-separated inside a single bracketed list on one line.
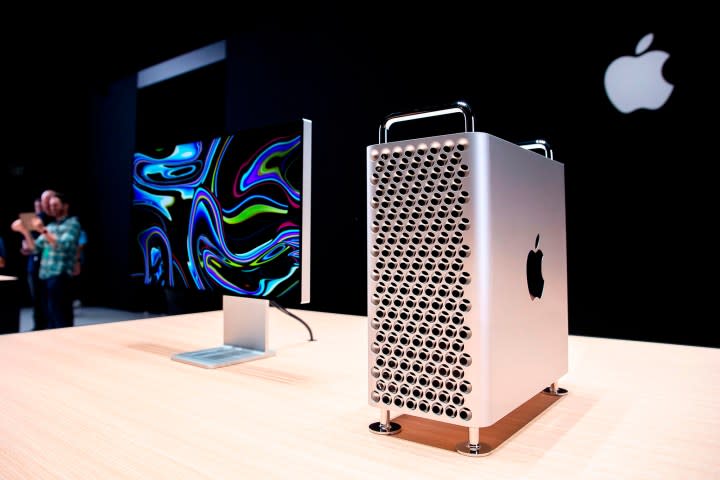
[(419, 226)]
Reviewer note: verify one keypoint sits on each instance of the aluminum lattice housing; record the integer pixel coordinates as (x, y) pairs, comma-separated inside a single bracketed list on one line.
[(453, 333)]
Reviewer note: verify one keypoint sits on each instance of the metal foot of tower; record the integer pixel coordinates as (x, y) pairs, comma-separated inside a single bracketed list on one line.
[(385, 426), (473, 447), (553, 389)]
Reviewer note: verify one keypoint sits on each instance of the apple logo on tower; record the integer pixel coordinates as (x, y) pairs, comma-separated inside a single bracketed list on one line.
[(533, 269), (637, 82)]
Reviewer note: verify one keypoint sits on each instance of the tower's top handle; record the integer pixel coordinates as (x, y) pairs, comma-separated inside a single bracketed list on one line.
[(538, 144), (457, 107)]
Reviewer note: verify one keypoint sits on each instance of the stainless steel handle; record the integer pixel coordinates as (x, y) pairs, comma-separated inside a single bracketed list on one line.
[(538, 145), (457, 107)]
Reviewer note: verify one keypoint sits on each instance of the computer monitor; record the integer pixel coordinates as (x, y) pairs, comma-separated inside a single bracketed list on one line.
[(228, 214)]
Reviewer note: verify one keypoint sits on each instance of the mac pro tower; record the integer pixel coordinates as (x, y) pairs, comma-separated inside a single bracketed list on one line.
[(467, 287)]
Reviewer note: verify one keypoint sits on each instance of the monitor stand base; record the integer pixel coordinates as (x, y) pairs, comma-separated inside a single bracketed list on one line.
[(220, 356), (245, 335)]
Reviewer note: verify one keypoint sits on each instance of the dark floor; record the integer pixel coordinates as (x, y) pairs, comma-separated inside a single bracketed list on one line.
[(88, 316)]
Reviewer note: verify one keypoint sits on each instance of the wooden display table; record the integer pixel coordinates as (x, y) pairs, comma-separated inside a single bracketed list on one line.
[(107, 402)]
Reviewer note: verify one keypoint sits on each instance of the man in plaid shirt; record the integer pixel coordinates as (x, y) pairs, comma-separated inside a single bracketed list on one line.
[(57, 246)]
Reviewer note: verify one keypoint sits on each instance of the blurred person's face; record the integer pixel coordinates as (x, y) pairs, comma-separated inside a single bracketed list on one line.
[(57, 208), (45, 198)]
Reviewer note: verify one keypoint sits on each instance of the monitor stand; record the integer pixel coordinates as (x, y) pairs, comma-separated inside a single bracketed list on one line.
[(245, 326)]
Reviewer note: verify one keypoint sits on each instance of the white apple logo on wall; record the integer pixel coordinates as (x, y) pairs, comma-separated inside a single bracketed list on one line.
[(637, 82)]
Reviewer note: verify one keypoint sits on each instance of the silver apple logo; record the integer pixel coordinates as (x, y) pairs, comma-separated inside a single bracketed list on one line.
[(635, 82)]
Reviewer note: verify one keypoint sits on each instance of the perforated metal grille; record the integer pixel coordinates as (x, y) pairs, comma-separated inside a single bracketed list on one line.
[(417, 305)]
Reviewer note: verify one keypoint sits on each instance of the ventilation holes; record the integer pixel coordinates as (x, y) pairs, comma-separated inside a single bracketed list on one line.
[(417, 258)]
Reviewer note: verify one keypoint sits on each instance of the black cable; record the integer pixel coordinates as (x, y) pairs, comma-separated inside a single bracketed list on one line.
[(284, 310)]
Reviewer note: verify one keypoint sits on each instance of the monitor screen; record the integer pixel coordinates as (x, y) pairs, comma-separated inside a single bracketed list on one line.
[(227, 214)]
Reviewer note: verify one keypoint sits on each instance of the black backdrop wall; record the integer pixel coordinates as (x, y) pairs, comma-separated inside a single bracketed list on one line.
[(635, 183)]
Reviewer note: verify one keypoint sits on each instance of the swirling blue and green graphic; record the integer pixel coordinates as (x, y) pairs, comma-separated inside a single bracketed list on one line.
[(221, 214)]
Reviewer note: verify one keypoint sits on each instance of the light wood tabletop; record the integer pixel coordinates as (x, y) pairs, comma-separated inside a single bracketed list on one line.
[(107, 402)]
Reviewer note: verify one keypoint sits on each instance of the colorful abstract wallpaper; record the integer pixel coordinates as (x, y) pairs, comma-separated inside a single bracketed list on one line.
[(221, 214)]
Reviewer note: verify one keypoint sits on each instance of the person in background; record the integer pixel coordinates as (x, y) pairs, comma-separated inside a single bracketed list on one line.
[(57, 245), (36, 286), (9, 297), (78, 268), (2, 254)]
